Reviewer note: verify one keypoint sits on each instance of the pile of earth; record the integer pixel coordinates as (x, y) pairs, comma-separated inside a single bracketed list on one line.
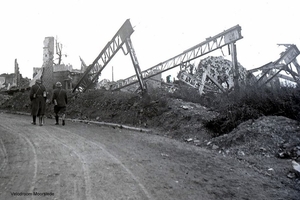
[(268, 136), (268, 144)]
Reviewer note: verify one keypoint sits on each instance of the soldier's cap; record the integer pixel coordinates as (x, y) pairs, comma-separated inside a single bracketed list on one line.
[(38, 81), (58, 84)]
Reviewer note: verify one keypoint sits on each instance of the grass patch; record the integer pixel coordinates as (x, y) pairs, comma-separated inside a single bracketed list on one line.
[(251, 103)]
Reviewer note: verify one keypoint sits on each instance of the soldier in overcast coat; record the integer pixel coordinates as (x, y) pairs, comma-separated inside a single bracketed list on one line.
[(38, 97), (60, 100)]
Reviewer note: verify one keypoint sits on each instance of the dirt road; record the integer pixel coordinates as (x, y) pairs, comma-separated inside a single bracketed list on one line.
[(84, 161)]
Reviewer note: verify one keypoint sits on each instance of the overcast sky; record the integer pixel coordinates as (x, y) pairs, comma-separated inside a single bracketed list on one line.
[(162, 29)]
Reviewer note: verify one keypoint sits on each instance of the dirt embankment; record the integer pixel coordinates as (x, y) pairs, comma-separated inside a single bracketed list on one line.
[(171, 117)]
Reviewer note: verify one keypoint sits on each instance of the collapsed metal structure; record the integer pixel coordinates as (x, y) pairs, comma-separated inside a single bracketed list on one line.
[(94, 70), (228, 37), (225, 38), (267, 73), (284, 63)]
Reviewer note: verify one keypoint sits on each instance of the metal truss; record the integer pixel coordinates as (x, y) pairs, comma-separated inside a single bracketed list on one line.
[(200, 84), (211, 44), (282, 64), (93, 71)]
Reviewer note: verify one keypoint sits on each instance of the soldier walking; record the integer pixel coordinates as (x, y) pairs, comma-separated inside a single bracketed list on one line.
[(38, 97), (60, 100)]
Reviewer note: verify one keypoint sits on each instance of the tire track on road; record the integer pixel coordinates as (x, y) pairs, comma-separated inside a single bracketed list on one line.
[(4, 153), (37, 133), (46, 132), (84, 167), (46, 137), (30, 143), (83, 162), (116, 160)]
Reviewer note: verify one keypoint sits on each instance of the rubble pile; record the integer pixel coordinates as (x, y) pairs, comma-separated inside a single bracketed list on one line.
[(275, 136), (221, 69), (270, 144)]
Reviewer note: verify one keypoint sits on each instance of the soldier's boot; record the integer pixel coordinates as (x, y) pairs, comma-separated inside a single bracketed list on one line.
[(56, 120), (63, 119), (41, 121), (33, 120)]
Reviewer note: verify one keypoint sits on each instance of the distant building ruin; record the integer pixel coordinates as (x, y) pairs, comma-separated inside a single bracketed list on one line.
[(47, 68), (50, 73), (153, 82), (13, 80), (66, 75)]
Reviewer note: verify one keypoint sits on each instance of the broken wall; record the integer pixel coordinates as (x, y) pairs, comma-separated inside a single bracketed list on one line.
[(221, 70), (64, 77), (47, 68), (62, 67)]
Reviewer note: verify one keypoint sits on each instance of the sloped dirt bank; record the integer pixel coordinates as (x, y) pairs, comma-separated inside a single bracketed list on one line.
[(170, 117)]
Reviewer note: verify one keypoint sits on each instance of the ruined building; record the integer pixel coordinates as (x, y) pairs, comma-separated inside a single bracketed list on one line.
[(13, 80), (50, 73), (47, 68)]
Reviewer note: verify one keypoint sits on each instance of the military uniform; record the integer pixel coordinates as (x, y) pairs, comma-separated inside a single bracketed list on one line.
[(38, 101), (60, 100)]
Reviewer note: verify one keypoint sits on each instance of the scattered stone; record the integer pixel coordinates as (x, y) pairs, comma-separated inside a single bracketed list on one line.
[(298, 153), (291, 175), (184, 107), (291, 152), (164, 155), (189, 139), (296, 166), (241, 153), (215, 147), (285, 145), (282, 155), (262, 149)]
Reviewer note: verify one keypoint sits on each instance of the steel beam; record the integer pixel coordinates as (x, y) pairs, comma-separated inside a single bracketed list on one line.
[(211, 44), (94, 70), (285, 59)]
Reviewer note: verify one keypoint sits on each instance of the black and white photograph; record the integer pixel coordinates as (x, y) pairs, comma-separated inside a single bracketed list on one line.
[(149, 100)]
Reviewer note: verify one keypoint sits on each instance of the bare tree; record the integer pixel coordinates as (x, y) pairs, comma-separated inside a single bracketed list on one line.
[(59, 48)]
